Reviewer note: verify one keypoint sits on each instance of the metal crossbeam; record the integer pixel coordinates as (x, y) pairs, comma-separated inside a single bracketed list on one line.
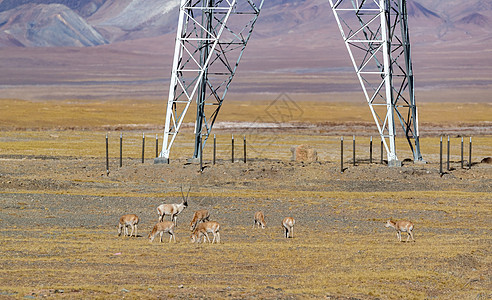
[(376, 36), (211, 38)]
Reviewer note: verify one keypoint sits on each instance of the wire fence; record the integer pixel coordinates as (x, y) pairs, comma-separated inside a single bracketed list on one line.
[(454, 153)]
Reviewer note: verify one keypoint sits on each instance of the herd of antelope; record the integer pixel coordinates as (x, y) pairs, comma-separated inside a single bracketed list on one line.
[(201, 226)]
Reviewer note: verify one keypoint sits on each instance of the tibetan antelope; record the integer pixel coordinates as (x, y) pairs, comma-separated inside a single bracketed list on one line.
[(160, 228), (288, 226), (199, 216), (173, 210), (203, 229), (259, 219), (401, 226), (125, 221)]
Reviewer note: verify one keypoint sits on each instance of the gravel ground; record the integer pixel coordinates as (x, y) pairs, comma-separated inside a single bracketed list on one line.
[(64, 192)]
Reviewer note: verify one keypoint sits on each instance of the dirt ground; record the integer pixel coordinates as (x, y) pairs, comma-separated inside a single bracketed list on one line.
[(59, 216)]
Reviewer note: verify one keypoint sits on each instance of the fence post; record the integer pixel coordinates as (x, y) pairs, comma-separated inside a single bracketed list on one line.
[(353, 149), (201, 155), (232, 158), (370, 151), (462, 152), (121, 150), (440, 156), (447, 163), (381, 152), (470, 152), (156, 146), (244, 149), (341, 154), (215, 145), (107, 155), (143, 147)]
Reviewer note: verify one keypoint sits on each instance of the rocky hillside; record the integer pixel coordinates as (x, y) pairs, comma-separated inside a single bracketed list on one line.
[(41, 23)]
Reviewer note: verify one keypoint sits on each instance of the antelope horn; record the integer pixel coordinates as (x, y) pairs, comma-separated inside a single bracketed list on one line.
[(188, 193)]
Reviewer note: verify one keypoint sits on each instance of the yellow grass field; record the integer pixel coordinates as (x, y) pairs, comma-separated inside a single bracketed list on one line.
[(141, 113), (59, 208)]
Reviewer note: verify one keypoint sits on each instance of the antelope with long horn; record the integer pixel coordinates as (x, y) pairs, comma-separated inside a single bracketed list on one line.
[(173, 210)]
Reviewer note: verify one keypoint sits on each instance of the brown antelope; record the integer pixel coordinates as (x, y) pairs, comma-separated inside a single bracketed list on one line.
[(173, 209), (288, 225), (401, 226), (162, 227), (203, 229), (199, 216), (259, 219), (125, 221)]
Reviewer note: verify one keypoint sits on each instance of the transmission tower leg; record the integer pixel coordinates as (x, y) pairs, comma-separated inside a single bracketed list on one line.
[(376, 36), (169, 135), (388, 82), (202, 90), (417, 156), (206, 56)]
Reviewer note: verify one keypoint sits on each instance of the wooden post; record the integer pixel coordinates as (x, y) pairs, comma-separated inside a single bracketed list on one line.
[(462, 152), (156, 146), (244, 149), (201, 155), (232, 158), (440, 157), (215, 146), (143, 147), (341, 154), (121, 150), (353, 150), (370, 151), (381, 152), (470, 153), (107, 155), (447, 163)]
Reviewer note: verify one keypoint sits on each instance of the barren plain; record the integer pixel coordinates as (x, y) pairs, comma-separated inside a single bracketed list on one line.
[(59, 208)]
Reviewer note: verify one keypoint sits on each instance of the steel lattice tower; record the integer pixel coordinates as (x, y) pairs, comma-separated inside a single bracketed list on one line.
[(211, 38), (376, 36)]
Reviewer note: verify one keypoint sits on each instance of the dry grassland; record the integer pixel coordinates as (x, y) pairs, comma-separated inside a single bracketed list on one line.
[(131, 114), (59, 210)]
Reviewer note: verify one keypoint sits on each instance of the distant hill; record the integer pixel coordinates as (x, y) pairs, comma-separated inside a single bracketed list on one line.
[(415, 10), (475, 19), (46, 25), (82, 7), (83, 23)]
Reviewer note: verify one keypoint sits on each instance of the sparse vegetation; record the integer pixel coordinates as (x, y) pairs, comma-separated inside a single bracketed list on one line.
[(59, 214)]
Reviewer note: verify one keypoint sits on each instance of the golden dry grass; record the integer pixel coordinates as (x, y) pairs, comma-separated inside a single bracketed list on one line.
[(332, 261), (340, 248), (125, 113)]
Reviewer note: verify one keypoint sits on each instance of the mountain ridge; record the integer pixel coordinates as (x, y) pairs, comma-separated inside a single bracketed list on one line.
[(110, 21), (55, 25)]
